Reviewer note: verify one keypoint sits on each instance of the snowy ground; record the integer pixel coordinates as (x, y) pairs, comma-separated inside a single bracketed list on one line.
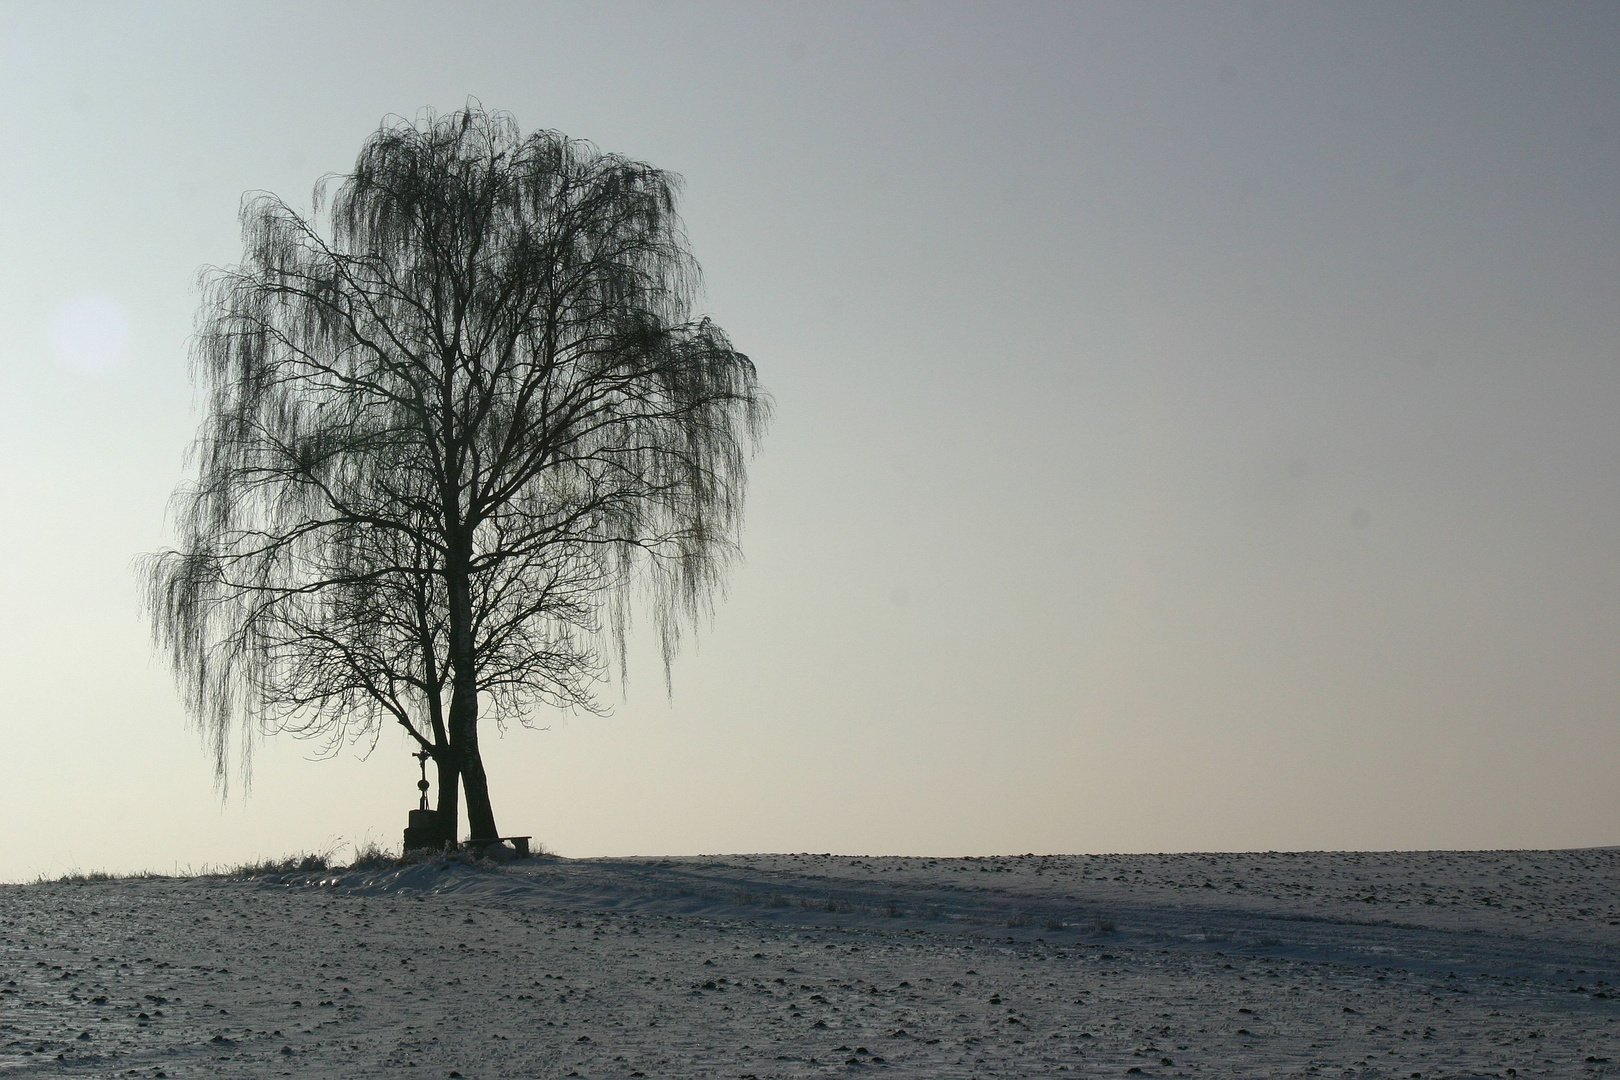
[(1439, 964)]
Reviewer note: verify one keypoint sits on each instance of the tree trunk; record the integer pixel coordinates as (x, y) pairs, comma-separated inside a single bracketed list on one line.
[(464, 696), (445, 757), (449, 792), (464, 733)]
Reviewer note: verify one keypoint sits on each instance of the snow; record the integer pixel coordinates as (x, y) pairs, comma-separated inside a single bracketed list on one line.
[(1439, 964)]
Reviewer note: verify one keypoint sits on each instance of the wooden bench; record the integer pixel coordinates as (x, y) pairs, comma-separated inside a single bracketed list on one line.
[(520, 843)]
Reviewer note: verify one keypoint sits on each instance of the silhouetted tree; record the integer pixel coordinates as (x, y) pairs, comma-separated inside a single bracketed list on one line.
[(451, 441)]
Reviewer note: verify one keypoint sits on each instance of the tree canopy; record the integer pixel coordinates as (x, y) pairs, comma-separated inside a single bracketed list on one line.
[(460, 422)]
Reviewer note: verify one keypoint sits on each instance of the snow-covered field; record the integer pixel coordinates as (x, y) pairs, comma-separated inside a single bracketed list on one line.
[(1439, 964)]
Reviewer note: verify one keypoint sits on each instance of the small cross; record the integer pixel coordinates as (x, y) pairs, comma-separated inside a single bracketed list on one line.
[(422, 785)]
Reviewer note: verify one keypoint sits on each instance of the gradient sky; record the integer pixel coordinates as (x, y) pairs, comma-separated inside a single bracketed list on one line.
[(1196, 424)]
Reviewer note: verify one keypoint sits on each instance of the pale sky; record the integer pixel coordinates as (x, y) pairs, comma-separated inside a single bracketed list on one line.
[(1196, 424)]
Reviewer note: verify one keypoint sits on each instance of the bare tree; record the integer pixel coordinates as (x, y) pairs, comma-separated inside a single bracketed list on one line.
[(452, 440)]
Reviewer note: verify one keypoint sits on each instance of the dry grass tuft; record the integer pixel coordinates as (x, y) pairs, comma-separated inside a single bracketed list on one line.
[(304, 862)]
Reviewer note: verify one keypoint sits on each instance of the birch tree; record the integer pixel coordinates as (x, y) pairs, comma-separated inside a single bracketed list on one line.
[(461, 421)]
